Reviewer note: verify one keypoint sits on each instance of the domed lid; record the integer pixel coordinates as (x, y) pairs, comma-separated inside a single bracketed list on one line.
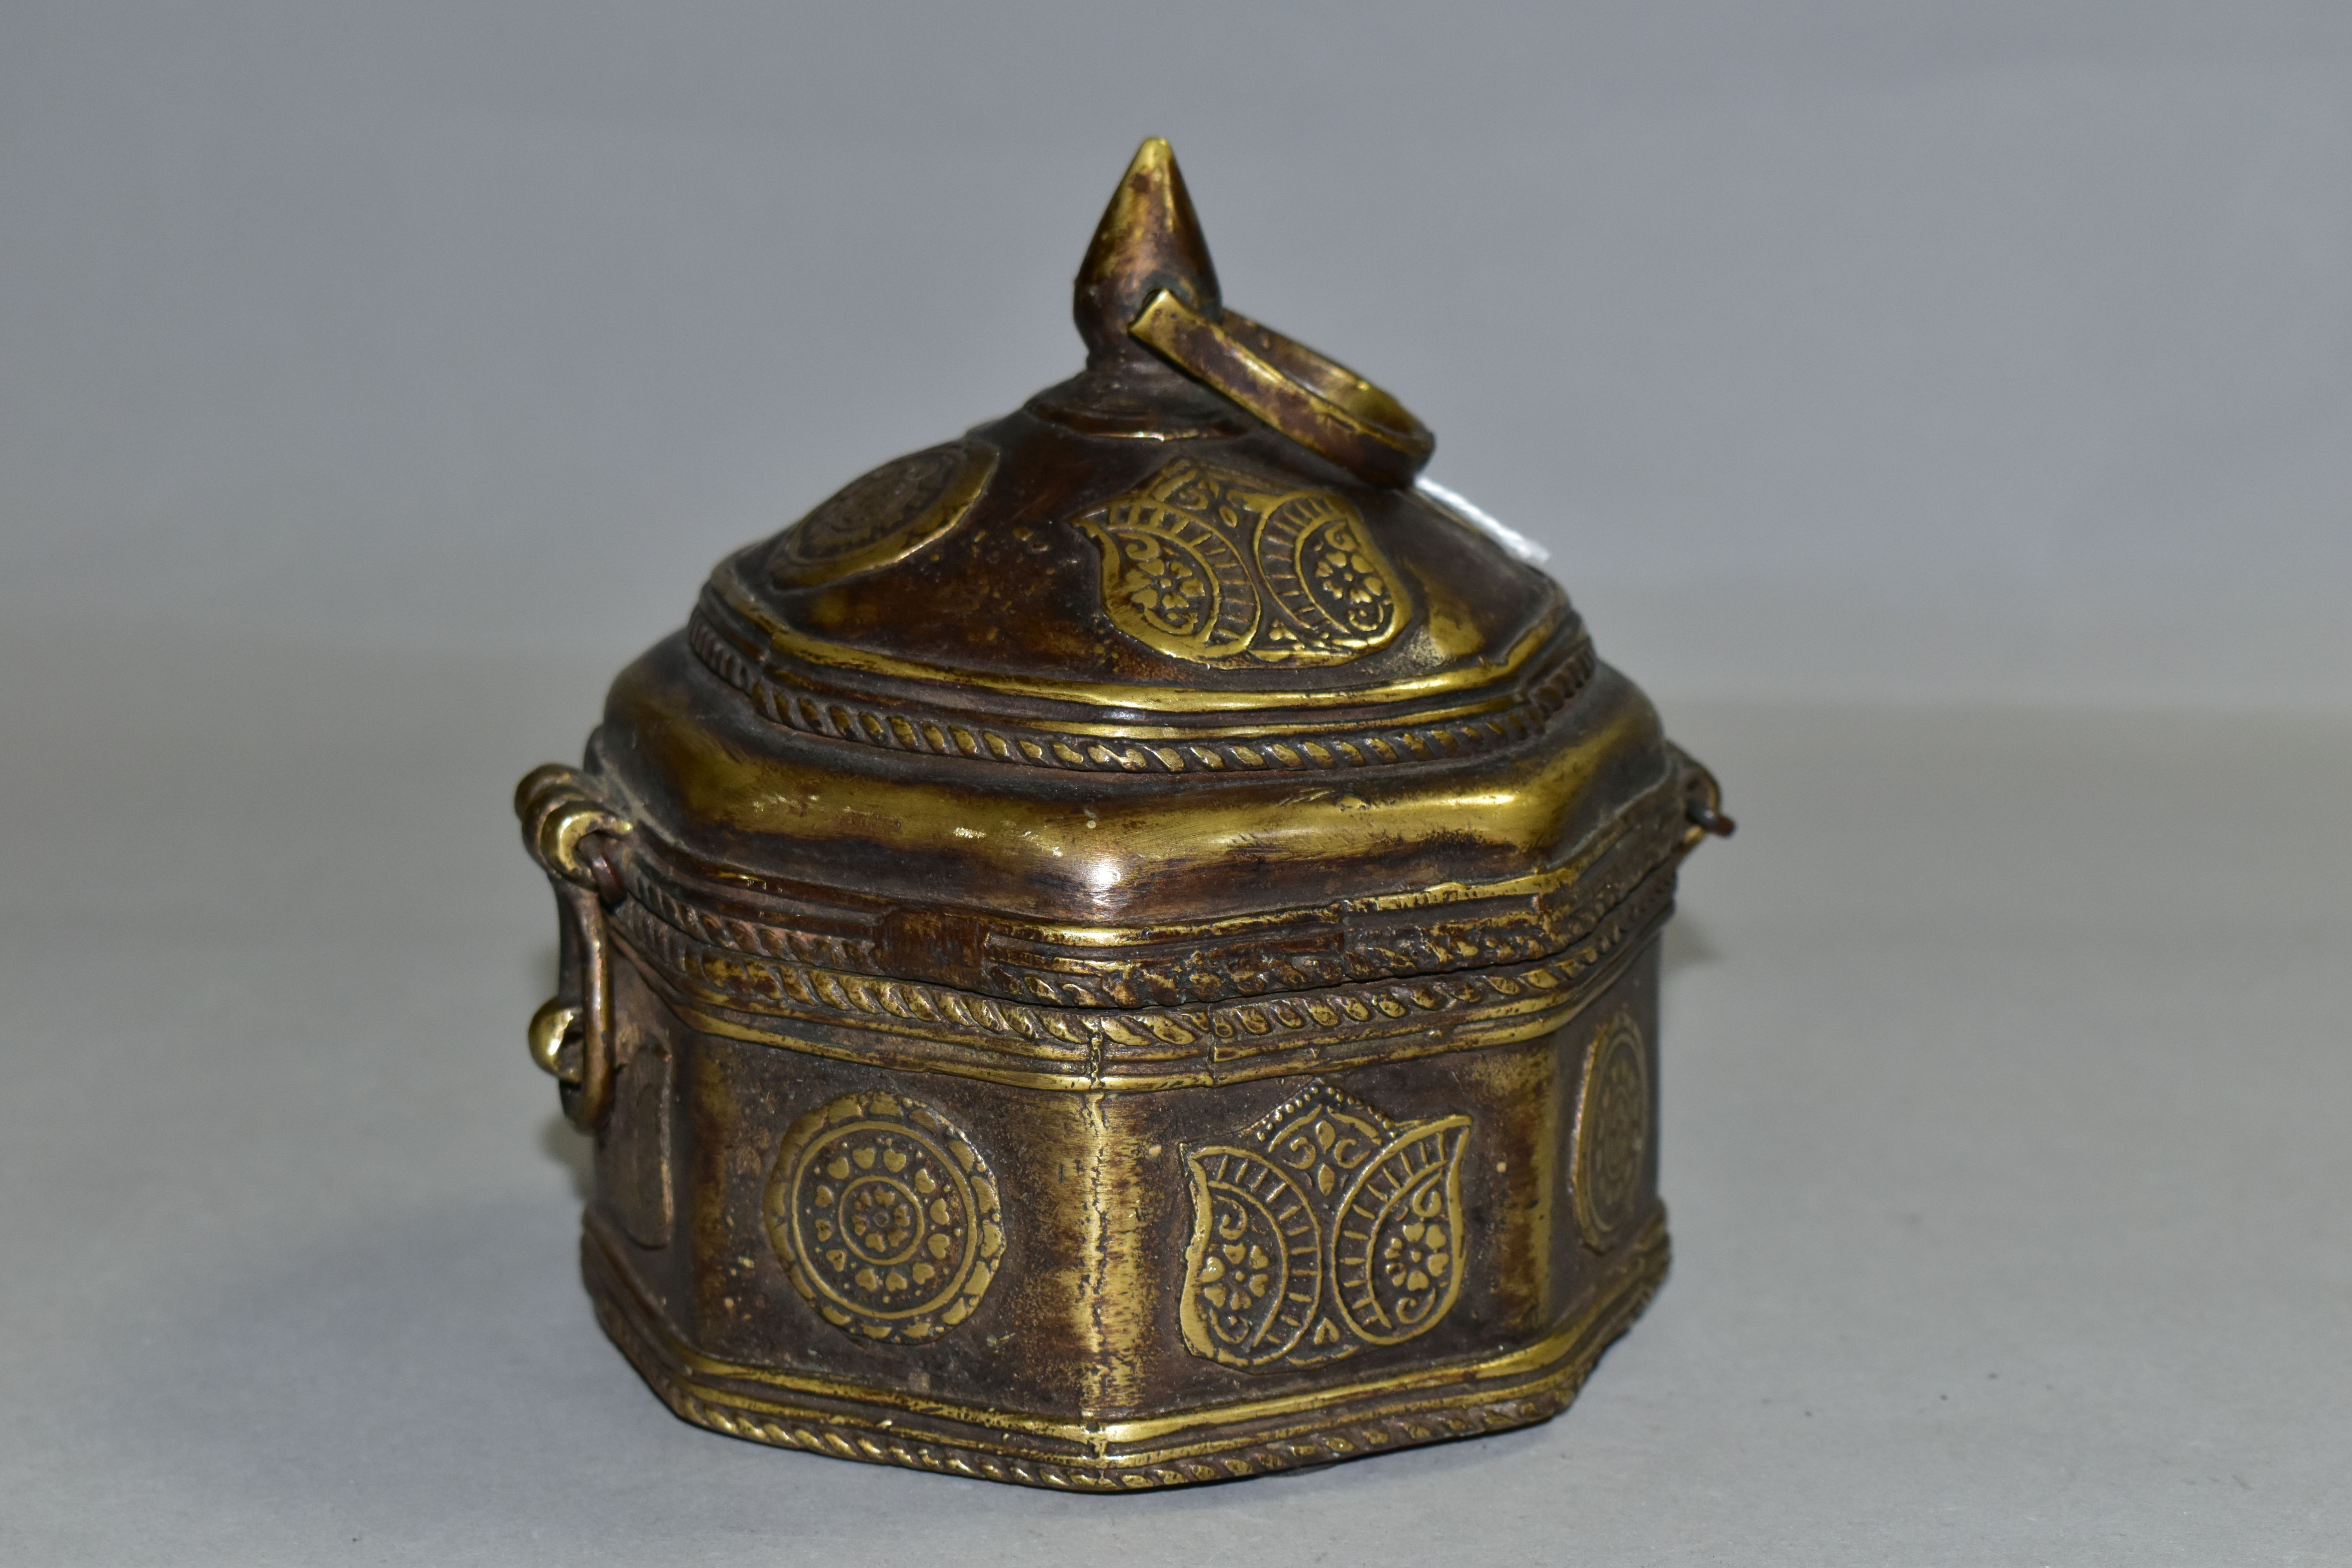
[(1169, 690), (1209, 539)]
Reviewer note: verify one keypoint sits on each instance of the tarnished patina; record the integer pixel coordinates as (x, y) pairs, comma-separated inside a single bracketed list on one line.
[(1121, 949)]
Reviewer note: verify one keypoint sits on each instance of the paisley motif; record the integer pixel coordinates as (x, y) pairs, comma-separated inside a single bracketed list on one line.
[(1222, 567), (1324, 570), (1256, 1263), (1324, 1229), (1397, 1261), (1180, 585)]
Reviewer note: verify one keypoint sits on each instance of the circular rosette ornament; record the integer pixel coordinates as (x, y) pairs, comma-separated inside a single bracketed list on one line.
[(885, 516), (885, 1217), (1612, 1133)]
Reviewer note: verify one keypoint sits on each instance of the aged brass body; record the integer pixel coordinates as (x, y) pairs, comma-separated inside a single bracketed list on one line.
[(1121, 949)]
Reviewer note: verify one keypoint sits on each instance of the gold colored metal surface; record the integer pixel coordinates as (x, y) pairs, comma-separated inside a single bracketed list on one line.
[(1220, 566), (1148, 243), (953, 604), (1613, 1131), (1317, 402), (1147, 280), (1121, 949), (560, 808), (1028, 845), (1174, 958), (1325, 1230), (1214, 1443), (885, 516), (562, 817), (1082, 1054), (550, 1027), (1445, 681), (886, 1217)]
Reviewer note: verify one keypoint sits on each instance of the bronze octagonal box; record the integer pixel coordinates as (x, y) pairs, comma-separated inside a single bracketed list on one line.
[(1121, 949)]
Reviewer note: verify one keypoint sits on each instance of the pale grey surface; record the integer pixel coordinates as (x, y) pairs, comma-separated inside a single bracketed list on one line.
[(1871, 348), (2005, 1092)]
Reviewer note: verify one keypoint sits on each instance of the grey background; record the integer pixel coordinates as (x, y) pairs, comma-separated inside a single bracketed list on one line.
[(1883, 350), (1942, 410)]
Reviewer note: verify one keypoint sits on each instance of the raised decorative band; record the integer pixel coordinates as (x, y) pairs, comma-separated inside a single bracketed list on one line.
[(1431, 932), (837, 716), (939, 1028)]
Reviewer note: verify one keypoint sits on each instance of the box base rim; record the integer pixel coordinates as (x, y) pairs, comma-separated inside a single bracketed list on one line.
[(1495, 1395)]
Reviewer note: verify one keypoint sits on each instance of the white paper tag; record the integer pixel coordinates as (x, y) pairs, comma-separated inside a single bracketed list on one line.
[(1460, 507)]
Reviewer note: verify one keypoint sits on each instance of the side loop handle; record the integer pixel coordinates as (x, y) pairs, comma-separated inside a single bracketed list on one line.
[(1702, 802), (1315, 400), (576, 839)]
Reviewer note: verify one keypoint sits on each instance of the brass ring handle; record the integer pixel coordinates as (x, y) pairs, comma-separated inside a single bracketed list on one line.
[(1315, 400), (572, 835)]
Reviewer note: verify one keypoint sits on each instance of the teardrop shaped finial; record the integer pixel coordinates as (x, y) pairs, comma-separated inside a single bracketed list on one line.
[(1149, 239)]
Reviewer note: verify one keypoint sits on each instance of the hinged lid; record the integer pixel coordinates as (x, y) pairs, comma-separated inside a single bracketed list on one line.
[(1167, 687), (1210, 531)]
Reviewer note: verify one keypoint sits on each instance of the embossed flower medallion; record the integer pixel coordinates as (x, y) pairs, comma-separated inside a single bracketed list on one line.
[(1613, 1133), (1321, 1230), (1222, 567), (886, 1217), (884, 516)]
